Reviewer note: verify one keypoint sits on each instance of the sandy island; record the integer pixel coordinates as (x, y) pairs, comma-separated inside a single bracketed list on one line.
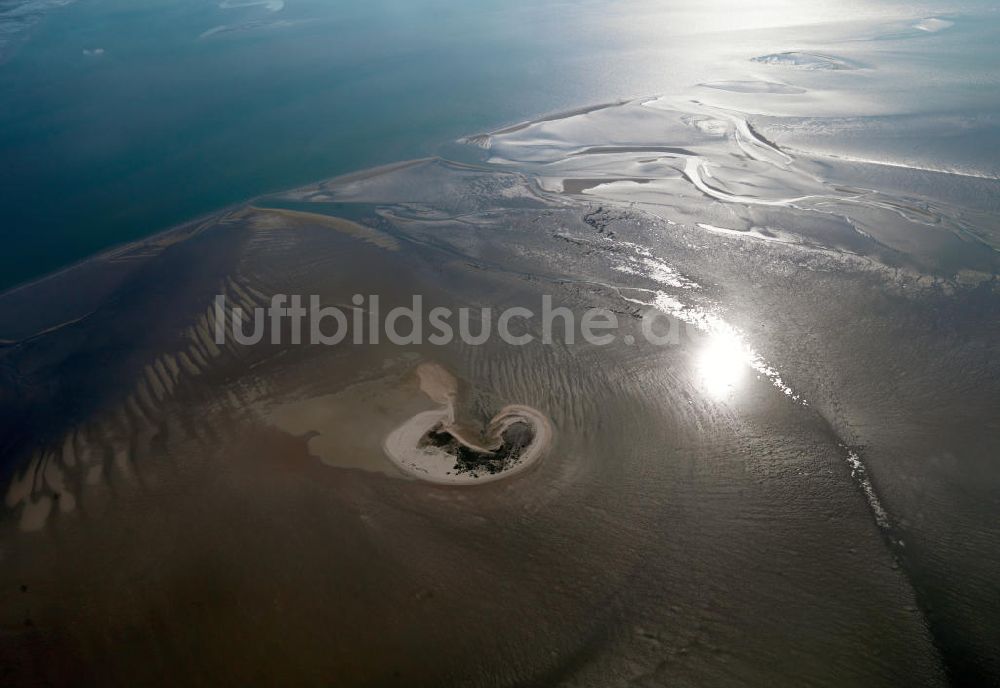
[(432, 446)]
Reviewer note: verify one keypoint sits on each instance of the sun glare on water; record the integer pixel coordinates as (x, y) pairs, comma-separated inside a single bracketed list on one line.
[(722, 364)]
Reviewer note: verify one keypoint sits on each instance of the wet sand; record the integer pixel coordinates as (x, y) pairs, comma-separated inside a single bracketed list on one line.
[(774, 499)]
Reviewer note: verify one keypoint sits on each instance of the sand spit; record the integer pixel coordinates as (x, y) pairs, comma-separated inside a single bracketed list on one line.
[(483, 140), (754, 87)]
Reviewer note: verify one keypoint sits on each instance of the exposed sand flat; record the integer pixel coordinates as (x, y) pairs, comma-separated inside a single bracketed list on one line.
[(356, 229), (438, 384), (735, 507), (609, 150), (797, 485), (717, 140)]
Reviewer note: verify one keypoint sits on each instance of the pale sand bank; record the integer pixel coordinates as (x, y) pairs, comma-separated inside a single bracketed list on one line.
[(432, 446)]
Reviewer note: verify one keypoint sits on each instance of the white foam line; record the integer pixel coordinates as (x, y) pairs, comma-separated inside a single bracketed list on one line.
[(860, 475)]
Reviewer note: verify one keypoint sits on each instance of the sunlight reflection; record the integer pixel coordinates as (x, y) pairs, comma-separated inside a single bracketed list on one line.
[(724, 354), (722, 363)]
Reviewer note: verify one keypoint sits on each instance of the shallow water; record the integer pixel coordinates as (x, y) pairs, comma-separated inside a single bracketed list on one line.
[(800, 489), (137, 117)]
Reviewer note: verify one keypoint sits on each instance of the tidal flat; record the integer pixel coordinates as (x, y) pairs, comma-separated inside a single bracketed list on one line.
[(773, 498), (797, 486)]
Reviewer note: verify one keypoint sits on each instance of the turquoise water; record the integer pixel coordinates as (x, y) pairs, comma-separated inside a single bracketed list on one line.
[(164, 125), (118, 119)]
